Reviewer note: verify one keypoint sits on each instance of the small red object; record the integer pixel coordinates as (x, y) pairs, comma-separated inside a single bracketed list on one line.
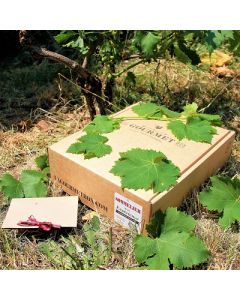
[(31, 221)]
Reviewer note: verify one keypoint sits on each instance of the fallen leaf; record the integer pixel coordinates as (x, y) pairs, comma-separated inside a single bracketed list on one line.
[(224, 71), (89, 216), (42, 125), (217, 58)]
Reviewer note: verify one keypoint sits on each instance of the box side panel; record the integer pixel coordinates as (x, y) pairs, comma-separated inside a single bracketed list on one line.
[(193, 178), (93, 190)]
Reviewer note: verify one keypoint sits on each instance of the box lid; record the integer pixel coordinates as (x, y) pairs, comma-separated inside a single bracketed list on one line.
[(145, 134)]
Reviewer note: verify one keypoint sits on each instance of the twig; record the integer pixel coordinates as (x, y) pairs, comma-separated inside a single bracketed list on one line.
[(79, 86), (128, 68), (214, 99)]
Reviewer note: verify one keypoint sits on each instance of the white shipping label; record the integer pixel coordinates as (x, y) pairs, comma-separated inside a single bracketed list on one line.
[(127, 213)]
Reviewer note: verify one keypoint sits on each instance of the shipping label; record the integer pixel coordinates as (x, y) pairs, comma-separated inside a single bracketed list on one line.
[(127, 213)]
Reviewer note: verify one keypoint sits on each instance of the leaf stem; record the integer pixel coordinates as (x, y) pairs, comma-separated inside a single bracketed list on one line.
[(128, 68), (150, 118)]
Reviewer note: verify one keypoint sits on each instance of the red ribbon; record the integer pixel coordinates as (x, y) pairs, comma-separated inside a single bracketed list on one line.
[(31, 221)]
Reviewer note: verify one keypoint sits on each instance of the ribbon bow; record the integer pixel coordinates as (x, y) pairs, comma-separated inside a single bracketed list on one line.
[(31, 221)]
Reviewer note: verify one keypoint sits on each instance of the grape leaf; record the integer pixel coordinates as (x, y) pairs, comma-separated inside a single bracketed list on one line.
[(147, 110), (145, 169), (190, 109), (181, 55), (169, 113), (213, 119), (102, 124), (175, 245), (149, 44), (195, 129), (91, 145), (224, 197), (42, 162), (154, 226), (33, 184), (11, 187), (63, 37), (152, 110)]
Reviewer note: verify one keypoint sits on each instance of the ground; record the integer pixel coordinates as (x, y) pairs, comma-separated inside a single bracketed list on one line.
[(34, 117)]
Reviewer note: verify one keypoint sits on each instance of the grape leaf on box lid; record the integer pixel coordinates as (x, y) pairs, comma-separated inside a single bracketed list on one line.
[(91, 145), (190, 110), (11, 187), (152, 110), (194, 129), (145, 169), (224, 197), (176, 243), (102, 124), (147, 110), (33, 184)]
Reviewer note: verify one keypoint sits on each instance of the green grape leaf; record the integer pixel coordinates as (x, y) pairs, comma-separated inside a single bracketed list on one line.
[(78, 43), (11, 187), (213, 119), (190, 109), (154, 226), (175, 245), (102, 124), (91, 145), (42, 162), (181, 56), (33, 184), (224, 197), (195, 129), (215, 38), (192, 54), (63, 37), (169, 113), (147, 110), (145, 169), (149, 44), (152, 110)]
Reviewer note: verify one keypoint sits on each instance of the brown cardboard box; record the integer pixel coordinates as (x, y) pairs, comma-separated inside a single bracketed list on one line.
[(101, 190)]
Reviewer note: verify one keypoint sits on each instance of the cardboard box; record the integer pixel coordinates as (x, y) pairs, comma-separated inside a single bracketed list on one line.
[(99, 189)]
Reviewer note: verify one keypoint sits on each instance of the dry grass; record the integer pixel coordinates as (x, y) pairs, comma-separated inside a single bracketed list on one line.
[(174, 84)]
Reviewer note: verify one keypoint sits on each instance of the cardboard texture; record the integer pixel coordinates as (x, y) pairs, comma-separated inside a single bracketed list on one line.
[(58, 210), (99, 189)]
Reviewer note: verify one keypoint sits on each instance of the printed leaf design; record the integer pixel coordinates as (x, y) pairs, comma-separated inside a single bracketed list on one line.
[(91, 145), (33, 184), (145, 169), (176, 243), (224, 197), (195, 129), (11, 187), (102, 124)]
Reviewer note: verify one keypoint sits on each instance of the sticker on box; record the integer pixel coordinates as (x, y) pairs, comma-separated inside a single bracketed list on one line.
[(127, 213)]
